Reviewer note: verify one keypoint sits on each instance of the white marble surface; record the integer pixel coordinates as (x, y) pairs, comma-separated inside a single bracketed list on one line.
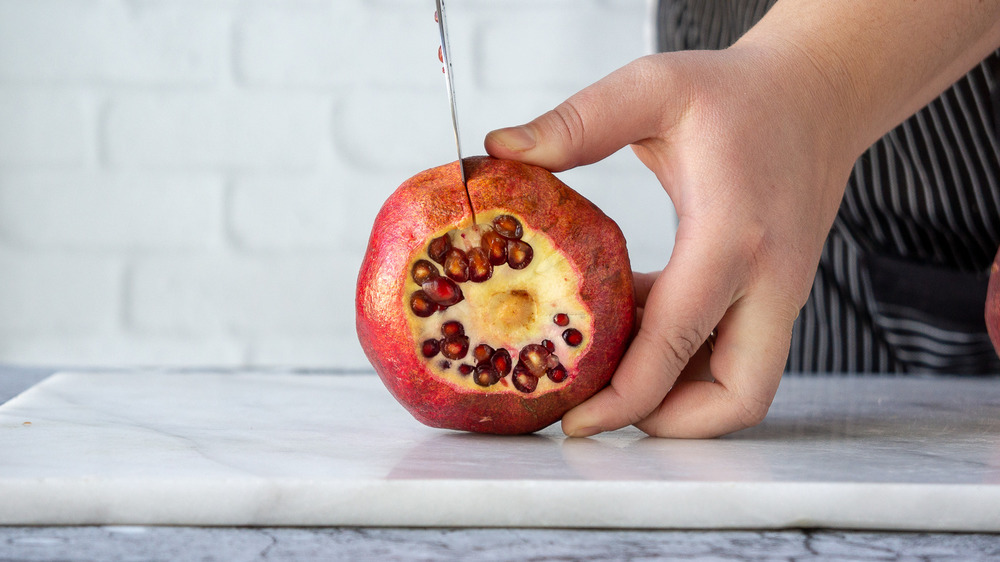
[(271, 449)]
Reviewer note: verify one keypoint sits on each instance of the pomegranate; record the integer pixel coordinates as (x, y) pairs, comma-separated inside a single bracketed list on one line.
[(499, 324), (993, 304)]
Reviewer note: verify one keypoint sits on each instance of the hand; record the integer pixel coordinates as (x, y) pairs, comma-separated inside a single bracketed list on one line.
[(756, 171)]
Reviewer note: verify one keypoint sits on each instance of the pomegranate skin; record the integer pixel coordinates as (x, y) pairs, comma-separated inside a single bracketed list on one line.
[(993, 304), (433, 200)]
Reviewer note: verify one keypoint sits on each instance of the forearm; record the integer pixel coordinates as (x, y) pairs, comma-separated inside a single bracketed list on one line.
[(868, 65)]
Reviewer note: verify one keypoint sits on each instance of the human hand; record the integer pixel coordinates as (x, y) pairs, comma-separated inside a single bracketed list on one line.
[(756, 168)]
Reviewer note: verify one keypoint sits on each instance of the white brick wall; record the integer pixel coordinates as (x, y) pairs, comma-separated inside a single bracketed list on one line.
[(192, 182)]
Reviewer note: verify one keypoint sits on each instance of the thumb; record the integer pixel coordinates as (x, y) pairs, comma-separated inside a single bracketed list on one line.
[(626, 106)]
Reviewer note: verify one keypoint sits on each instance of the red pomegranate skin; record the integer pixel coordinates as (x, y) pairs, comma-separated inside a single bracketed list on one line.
[(433, 200), (993, 304)]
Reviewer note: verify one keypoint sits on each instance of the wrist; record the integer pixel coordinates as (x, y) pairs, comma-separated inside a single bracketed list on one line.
[(813, 94), (870, 65)]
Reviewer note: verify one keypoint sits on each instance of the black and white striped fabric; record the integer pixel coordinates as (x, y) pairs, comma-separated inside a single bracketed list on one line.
[(902, 282)]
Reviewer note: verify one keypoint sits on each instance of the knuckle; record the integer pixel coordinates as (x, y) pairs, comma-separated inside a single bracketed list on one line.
[(751, 410), (569, 123), (676, 344), (632, 413)]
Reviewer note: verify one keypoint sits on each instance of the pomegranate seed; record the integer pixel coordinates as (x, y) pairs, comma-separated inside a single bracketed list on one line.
[(438, 248), (573, 337), (549, 345), (552, 361), (452, 328), (424, 270), (561, 319), (534, 357), (480, 268), (519, 254), (465, 369), (455, 347), (501, 361), (495, 246), (422, 305), (557, 373), (456, 265), (508, 227), (482, 352), (486, 375), (524, 380), (445, 365), (435, 16), (442, 291), (440, 54), (430, 348)]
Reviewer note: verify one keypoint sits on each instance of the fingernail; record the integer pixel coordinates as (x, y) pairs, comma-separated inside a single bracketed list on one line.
[(518, 139), (584, 432)]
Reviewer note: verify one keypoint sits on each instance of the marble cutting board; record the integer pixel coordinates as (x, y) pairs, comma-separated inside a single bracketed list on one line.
[(284, 449)]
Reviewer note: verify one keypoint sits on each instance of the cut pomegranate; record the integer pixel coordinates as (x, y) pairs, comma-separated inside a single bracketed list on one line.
[(498, 323)]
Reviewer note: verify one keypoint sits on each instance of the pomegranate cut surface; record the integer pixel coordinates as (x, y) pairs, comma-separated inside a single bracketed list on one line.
[(500, 325), (511, 310)]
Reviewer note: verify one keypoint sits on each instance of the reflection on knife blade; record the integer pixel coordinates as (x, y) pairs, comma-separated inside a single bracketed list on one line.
[(445, 54)]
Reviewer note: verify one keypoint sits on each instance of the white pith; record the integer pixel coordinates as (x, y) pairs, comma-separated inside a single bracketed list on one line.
[(550, 280)]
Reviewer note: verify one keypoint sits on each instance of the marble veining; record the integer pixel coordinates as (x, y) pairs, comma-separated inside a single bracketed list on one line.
[(279, 449), (268, 544)]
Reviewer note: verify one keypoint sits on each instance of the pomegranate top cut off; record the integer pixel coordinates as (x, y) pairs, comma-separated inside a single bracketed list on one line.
[(499, 323)]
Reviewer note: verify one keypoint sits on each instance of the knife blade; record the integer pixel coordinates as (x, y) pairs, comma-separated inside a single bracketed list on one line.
[(450, 83)]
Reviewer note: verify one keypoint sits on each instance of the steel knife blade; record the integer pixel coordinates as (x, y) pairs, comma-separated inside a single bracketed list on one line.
[(450, 82)]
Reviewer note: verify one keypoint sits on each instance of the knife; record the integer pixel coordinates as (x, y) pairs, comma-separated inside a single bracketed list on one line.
[(450, 82)]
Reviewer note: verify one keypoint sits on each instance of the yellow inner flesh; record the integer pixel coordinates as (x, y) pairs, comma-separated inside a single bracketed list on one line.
[(512, 309)]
